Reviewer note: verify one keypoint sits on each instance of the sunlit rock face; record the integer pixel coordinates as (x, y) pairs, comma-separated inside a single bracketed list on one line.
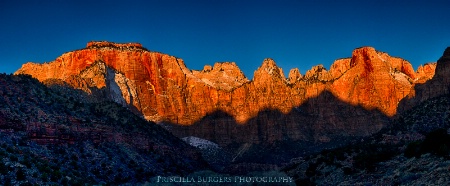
[(163, 89), (146, 80), (374, 80), (294, 75), (425, 72), (223, 76)]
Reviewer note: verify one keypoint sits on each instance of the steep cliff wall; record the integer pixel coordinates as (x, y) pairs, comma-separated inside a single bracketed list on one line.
[(365, 88), (438, 84)]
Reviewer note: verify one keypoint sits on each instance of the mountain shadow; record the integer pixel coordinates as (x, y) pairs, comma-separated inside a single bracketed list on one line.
[(437, 86), (414, 147), (272, 137), (321, 122)]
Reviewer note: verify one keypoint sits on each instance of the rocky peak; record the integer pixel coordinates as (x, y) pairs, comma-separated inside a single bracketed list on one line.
[(363, 55), (294, 75), (207, 68), (224, 76), (226, 66), (443, 64), (375, 77), (425, 72), (339, 67), (317, 73), (446, 52), (372, 60), (269, 69)]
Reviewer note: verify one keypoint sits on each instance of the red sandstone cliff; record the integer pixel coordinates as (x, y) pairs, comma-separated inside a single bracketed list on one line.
[(163, 89)]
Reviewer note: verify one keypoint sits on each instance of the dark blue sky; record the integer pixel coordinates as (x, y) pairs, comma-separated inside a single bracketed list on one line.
[(294, 33)]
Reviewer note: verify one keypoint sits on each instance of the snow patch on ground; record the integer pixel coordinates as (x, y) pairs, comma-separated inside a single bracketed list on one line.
[(200, 143)]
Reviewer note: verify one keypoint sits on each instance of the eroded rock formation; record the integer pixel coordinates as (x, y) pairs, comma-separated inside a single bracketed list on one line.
[(223, 76), (366, 87)]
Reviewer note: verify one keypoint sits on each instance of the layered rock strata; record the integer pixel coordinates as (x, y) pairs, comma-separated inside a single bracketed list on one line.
[(365, 87)]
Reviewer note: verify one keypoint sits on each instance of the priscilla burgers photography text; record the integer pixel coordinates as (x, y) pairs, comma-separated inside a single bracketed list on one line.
[(218, 179)]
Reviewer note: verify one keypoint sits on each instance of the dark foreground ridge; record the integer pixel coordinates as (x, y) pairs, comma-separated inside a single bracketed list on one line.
[(52, 136), (412, 151)]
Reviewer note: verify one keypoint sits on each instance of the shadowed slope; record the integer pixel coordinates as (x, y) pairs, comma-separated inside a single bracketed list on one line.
[(274, 137), (437, 86)]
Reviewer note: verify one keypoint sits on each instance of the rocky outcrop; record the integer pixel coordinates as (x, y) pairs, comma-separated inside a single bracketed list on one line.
[(223, 76), (437, 85), (106, 44), (425, 72), (369, 85), (339, 67), (443, 69), (294, 75)]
